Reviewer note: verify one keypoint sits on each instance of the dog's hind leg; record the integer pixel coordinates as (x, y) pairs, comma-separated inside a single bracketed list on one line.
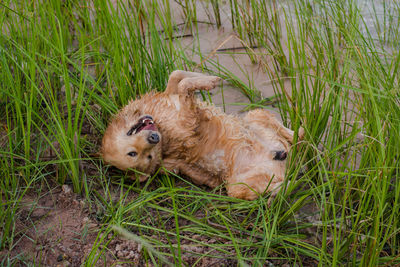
[(185, 82), (266, 119), (197, 175), (252, 187), (200, 176)]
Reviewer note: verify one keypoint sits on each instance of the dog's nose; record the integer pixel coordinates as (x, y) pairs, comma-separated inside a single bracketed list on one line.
[(280, 155), (153, 138)]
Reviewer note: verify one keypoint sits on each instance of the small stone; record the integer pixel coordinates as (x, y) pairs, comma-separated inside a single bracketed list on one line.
[(139, 248), (66, 189), (120, 254), (92, 225), (60, 258), (96, 107), (198, 250), (118, 247), (126, 253), (131, 255), (132, 245)]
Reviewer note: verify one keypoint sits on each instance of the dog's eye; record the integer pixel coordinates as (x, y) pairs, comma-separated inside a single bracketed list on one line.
[(149, 157), (132, 154)]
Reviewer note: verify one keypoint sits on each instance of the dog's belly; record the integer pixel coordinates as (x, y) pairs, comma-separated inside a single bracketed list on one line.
[(214, 162)]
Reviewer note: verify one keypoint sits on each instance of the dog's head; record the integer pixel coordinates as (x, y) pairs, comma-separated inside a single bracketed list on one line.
[(132, 141)]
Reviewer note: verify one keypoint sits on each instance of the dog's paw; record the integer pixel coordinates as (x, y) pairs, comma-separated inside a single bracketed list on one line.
[(198, 83), (210, 82)]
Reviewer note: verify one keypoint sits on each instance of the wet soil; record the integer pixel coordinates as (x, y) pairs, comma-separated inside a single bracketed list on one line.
[(53, 230), (58, 229)]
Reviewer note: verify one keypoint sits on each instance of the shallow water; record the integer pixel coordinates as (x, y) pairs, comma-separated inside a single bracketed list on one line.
[(234, 58)]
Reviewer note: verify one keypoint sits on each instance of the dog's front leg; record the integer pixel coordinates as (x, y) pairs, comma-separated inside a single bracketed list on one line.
[(189, 85), (185, 82), (200, 177), (176, 77)]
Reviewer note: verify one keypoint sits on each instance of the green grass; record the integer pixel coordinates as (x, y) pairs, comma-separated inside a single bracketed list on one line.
[(66, 66)]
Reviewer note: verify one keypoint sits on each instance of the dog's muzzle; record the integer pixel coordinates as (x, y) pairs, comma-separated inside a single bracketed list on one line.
[(153, 138)]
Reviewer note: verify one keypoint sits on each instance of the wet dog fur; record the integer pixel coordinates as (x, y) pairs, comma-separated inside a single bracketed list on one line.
[(175, 130)]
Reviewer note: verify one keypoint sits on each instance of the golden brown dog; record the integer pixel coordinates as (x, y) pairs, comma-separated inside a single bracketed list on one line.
[(175, 130)]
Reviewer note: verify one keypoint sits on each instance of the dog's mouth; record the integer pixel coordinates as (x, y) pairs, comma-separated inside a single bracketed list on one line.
[(144, 123)]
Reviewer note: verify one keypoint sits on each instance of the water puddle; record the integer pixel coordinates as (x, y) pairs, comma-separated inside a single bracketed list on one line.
[(223, 47)]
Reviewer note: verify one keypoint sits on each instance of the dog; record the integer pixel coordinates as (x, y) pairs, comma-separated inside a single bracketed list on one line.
[(186, 136)]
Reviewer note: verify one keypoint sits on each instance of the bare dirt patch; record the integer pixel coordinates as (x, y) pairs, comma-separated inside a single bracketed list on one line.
[(59, 229), (53, 230)]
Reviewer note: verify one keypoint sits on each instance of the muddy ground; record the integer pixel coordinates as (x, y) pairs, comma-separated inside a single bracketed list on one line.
[(61, 230)]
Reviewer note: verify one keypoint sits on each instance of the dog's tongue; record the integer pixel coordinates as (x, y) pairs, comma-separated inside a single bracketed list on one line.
[(151, 127)]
